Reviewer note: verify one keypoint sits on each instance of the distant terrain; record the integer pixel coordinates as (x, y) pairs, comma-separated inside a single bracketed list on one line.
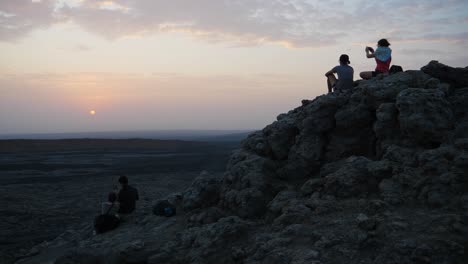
[(188, 135), (50, 186)]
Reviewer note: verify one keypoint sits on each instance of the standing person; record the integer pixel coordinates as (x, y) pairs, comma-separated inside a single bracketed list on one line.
[(127, 196), (383, 58), (345, 76)]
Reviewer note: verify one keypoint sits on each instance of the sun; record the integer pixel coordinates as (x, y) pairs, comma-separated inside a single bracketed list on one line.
[(92, 112)]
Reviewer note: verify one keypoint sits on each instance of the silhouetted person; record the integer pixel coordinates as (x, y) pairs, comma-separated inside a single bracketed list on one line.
[(127, 196), (383, 58), (345, 76)]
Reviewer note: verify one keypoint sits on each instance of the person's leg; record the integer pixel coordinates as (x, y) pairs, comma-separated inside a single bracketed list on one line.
[(366, 75), (331, 82)]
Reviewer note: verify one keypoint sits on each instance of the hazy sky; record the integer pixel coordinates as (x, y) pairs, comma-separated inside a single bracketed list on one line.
[(199, 64)]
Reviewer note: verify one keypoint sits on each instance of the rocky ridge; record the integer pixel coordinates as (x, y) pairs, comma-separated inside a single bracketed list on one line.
[(376, 175)]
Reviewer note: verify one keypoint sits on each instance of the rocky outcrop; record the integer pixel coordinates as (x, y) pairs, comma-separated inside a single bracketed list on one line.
[(377, 175), (457, 77)]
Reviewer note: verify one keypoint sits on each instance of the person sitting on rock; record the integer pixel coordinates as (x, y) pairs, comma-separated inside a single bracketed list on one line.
[(109, 218), (345, 76), (127, 196), (382, 56), (111, 206)]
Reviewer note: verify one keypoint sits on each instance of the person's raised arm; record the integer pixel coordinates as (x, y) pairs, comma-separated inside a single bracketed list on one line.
[(370, 52)]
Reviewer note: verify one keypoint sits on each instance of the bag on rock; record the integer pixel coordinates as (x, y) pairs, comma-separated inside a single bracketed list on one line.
[(395, 68), (105, 222), (164, 208)]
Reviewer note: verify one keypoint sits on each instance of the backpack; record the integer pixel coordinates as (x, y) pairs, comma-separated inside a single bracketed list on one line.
[(106, 222), (395, 68), (164, 208)]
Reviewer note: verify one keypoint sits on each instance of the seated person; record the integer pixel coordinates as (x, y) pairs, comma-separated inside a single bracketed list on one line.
[(111, 206), (127, 196), (345, 76), (383, 58)]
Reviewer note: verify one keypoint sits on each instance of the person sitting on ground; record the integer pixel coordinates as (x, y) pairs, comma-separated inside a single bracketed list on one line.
[(345, 76), (127, 196), (108, 219), (383, 58), (111, 206)]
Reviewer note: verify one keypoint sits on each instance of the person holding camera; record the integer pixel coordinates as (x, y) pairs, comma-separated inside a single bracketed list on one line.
[(382, 56)]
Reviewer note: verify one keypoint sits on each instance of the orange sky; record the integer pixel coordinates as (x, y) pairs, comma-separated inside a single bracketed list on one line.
[(207, 65)]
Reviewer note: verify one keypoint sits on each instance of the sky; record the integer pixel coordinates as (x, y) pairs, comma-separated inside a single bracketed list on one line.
[(199, 64)]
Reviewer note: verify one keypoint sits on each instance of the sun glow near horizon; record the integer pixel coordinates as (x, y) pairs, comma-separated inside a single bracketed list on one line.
[(225, 66)]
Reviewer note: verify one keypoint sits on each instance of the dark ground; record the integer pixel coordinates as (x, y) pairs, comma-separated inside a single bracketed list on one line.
[(50, 186)]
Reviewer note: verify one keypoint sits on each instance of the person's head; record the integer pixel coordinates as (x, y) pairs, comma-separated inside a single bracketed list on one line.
[(383, 43), (112, 197), (344, 59), (123, 180)]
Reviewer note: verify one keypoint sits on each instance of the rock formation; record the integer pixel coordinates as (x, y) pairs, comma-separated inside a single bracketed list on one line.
[(376, 175)]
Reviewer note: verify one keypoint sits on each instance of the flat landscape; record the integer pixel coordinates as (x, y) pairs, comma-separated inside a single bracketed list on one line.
[(50, 186)]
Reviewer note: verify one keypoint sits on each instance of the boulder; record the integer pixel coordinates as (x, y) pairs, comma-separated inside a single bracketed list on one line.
[(352, 179), (425, 115), (280, 137), (353, 134), (458, 77), (203, 192), (386, 127)]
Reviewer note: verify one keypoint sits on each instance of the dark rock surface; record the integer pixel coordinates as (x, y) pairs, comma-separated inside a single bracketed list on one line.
[(57, 186), (378, 175)]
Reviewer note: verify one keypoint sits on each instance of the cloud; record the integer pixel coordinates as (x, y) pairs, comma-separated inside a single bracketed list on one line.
[(18, 17), (252, 22), (292, 23)]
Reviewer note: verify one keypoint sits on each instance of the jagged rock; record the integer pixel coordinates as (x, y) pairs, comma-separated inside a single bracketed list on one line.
[(381, 169), (203, 192), (295, 212), (401, 155), (256, 143), (391, 191), (353, 134), (281, 200), (245, 190), (305, 155), (311, 186), (207, 216), (352, 179), (459, 102), (386, 127), (319, 114), (210, 243), (458, 77), (365, 222), (281, 136), (437, 161), (425, 115)]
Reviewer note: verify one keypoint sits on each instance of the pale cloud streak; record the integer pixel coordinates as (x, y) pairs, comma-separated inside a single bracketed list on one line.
[(292, 23), (19, 17)]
